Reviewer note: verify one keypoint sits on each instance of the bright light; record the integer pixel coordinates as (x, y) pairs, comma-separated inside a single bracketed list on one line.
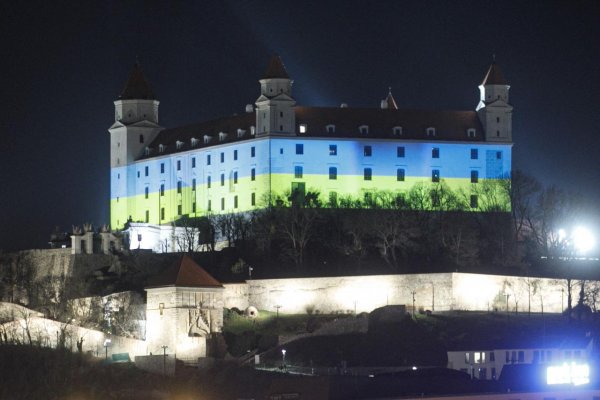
[(562, 235), (583, 239), (414, 368), (283, 351), (568, 374)]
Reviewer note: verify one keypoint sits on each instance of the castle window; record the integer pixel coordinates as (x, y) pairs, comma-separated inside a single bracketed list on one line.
[(194, 142), (474, 154), (400, 174), (400, 151), (194, 185), (252, 151), (146, 192), (147, 216), (333, 150), (178, 145), (435, 152), (299, 148), (303, 128), (222, 203), (162, 168), (146, 170), (253, 199), (162, 213), (368, 174), (330, 128), (252, 130), (162, 189), (194, 207), (119, 176), (193, 162), (209, 206), (141, 138), (208, 159), (367, 151), (430, 131), (222, 179), (179, 186), (498, 119), (363, 129), (471, 133), (332, 173), (178, 165), (179, 210), (474, 176), (498, 155), (474, 201), (281, 127), (281, 114), (208, 182), (222, 157), (435, 175), (298, 172), (235, 177), (235, 201), (235, 155), (138, 174), (497, 133), (397, 131), (253, 174)]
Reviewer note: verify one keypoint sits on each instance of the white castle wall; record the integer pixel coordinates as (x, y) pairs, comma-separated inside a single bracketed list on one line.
[(436, 292)]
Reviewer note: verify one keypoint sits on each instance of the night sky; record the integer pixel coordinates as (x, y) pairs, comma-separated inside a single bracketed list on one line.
[(63, 64)]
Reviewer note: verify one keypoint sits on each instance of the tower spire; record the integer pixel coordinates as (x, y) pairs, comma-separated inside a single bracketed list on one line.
[(137, 87)]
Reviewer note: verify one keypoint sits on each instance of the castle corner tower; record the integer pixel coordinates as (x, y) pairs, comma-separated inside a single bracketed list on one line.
[(494, 110), (275, 107), (135, 126)]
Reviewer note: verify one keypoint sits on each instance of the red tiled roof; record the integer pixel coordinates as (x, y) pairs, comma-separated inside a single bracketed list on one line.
[(449, 125), (184, 272), (276, 69), (137, 87), (494, 76)]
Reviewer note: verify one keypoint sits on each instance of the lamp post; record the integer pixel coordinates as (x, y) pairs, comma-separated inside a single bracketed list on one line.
[(106, 344), (164, 359), (283, 351)]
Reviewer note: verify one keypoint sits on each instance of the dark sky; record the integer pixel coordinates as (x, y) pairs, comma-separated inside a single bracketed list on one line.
[(63, 64)]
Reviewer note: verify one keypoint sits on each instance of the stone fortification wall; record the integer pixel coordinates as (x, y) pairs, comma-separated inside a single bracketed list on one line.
[(348, 294), (436, 292), (45, 332)]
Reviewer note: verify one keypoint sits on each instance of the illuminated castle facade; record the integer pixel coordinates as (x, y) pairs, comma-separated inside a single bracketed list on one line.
[(236, 163)]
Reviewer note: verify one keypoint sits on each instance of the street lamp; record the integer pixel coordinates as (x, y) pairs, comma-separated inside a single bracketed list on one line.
[(283, 351), (106, 344)]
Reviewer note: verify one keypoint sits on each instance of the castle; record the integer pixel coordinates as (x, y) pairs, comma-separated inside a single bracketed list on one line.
[(276, 148)]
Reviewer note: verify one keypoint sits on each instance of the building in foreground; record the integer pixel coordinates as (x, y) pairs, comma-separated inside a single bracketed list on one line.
[(279, 150)]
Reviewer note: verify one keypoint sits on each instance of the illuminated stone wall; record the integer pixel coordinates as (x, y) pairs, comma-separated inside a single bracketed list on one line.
[(437, 292)]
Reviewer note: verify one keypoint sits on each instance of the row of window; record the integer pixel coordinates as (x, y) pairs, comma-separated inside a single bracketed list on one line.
[(368, 174), (400, 151), (397, 130), (518, 356)]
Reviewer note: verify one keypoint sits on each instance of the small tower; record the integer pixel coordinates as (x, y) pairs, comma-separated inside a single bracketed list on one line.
[(136, 120), (389, 103), (495, 113), (275, 106), (184, 307)]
